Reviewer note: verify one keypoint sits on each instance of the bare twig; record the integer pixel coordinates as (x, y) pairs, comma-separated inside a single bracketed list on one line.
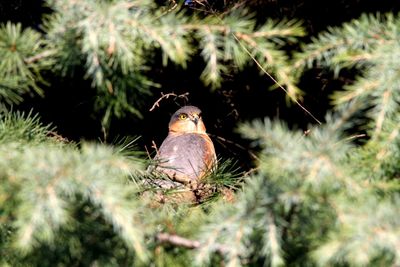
[(58, 137), (355, 137), (154, 146), (174, 5), (306, 132), (274, 80), (235, 144), (40, 56), (350, 138), (187, 243), (147, 151), (166, 96), (239, 37), (178, 241), (250, 171), (104, 130)]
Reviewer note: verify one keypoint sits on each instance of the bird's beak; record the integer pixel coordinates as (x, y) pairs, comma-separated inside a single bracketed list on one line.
[(195, 119)]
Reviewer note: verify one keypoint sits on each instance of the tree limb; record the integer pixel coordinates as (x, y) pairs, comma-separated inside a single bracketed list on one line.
[(166, 96), (187, 243), (38, 57)]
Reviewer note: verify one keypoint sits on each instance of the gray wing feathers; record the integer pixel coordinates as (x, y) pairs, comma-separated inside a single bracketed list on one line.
[(184, 154)]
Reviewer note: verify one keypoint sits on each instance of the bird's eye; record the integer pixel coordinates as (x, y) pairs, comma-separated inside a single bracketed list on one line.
[(183, 116)]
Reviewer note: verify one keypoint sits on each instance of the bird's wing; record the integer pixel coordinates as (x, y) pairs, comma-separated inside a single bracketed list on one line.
[(189, 155)]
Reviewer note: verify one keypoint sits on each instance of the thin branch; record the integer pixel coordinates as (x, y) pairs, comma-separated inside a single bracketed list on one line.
[(154, 145), (148, 153), (178, 241), (187, 243), (58, 137), (252, 170), (236, 145), (355, 137), (274, 80), (166, 96), (39, 56), (237, 36)]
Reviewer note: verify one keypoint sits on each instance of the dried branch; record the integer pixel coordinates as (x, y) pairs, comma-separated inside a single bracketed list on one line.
[(40, 56), (187, 243), (166, 96), (154, 145), (219, 138), (58, 137)]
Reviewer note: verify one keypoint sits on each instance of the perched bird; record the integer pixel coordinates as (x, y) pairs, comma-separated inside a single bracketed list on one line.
[(188, 153)]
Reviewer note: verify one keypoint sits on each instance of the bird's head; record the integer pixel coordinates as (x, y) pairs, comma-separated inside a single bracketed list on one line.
[(187, 120)]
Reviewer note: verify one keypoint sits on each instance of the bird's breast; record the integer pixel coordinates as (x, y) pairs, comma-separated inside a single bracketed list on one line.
[(188, 154)]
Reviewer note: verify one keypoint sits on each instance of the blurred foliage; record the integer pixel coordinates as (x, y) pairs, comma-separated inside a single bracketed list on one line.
[(116, 41), (24, 55)]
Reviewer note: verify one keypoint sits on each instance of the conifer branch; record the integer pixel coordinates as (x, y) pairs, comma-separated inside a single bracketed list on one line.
[(24, 55), (40, 56), (112, 40), (51, 174), (367, 44), (318, 198), (186, 243)]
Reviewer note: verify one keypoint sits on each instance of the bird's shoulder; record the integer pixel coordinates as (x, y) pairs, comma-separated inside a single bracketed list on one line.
[(184, 141), (186, 156)]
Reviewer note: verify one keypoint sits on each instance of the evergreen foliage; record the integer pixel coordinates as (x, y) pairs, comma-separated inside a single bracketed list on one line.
[(116, 40), (315, 198), (21, 62), (368, 44), (42, 179)]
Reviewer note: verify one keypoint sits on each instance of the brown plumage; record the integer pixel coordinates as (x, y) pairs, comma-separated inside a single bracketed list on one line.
[(187, 153)]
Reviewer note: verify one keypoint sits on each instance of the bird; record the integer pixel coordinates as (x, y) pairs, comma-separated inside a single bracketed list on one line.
[(187, 154)]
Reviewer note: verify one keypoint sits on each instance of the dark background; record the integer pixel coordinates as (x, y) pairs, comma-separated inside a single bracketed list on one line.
[(68, 103)]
